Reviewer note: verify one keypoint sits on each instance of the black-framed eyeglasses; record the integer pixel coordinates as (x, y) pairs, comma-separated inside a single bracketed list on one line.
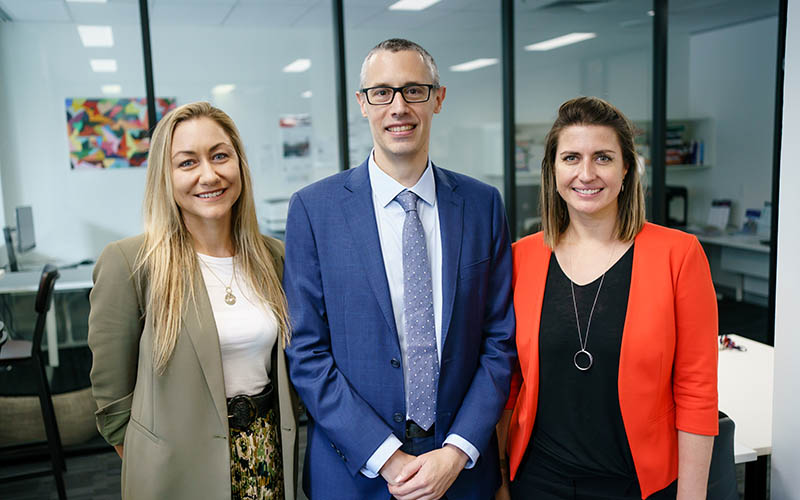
[(412, 93)]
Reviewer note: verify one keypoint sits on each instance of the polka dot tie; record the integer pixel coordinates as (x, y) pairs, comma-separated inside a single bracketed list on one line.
[(421, 357)]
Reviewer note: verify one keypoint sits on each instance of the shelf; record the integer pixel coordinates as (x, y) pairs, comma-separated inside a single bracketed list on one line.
[(698, 129), (522, 178), (682, 168)]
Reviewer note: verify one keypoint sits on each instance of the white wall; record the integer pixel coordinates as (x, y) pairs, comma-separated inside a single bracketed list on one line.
[(731, 79), (786, 424)]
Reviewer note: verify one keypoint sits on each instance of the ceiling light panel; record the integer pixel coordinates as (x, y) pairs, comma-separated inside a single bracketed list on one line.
[(560, 41), (297, 66), (96, 36), (103, 65), (412, 4), (111, 89), (223, 88), (474, 64)]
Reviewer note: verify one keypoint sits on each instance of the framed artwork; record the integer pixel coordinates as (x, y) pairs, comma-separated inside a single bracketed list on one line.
[(110, 133)]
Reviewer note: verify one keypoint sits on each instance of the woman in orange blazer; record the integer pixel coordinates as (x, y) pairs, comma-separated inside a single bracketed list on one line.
[(615, 395)]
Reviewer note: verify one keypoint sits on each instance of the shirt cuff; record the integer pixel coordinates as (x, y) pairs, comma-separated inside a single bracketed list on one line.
[(465, 446), (381, 456)]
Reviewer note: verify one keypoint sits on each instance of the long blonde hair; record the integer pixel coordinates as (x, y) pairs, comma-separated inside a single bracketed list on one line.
[(168, 257), (630, 202)]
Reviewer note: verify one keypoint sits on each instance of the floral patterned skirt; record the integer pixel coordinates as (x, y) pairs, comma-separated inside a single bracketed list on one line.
[(256, 464)]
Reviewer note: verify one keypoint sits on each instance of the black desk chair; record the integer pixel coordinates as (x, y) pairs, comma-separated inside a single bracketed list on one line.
[(722, 474), (17, 352)]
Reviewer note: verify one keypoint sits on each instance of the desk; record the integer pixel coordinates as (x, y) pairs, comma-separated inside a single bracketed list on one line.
[(744, 256), (745, 394), (79, 278)]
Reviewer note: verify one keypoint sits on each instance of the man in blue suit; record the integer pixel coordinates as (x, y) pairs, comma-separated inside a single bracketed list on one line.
[(398, 279)]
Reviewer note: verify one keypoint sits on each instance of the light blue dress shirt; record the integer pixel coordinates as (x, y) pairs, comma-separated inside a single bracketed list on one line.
[(390, 216)]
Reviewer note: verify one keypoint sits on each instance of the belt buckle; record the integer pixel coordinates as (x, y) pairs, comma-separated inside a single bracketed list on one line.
[(241, 412), (413, 430)]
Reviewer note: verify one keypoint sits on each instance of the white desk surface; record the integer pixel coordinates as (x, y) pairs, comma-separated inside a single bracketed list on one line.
[(745, 393), (77, 278), (742, 453), (742, 241)]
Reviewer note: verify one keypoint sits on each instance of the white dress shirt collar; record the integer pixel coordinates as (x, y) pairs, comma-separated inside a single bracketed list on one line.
[(386, 188)]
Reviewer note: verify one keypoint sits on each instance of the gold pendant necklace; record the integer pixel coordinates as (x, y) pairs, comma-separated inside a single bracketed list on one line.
[(230, 298)]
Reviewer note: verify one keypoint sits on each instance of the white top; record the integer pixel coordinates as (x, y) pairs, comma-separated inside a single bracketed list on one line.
[(390, 217), (247, 331)]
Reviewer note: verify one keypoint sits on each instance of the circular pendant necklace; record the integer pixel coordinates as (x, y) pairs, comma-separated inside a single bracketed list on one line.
[(230, 298), (583, 359)]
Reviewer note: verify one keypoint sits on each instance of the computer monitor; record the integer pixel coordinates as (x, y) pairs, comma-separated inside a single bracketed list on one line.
[(26, 239)]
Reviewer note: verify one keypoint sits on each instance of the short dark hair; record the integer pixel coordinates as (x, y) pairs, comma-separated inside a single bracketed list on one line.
[(630, 202), (398, 45)]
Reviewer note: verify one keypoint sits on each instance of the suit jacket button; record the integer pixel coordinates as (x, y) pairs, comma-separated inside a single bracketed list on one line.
[(398, 417), (395, 363)]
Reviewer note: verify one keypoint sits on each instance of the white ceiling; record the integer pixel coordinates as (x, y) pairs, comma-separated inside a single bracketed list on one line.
[(459, 30), (560, 15)]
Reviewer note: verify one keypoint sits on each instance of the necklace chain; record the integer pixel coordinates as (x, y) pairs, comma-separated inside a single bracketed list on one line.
[(583, 359), (583, 340), (230, 298)]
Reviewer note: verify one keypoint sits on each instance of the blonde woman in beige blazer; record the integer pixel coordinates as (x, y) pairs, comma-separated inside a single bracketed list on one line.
[(170, 338)]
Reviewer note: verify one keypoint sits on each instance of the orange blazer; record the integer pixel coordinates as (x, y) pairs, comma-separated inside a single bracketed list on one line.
[(668, 361)]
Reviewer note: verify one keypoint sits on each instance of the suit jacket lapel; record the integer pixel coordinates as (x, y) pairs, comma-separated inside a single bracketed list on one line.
[(451, 224), (201, 328), (359, 212)]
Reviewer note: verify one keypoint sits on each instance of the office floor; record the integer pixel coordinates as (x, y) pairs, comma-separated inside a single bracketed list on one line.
[(96, 477), (89, 477)]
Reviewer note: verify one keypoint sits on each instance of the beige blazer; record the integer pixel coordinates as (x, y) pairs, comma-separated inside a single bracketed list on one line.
[(174, 426)]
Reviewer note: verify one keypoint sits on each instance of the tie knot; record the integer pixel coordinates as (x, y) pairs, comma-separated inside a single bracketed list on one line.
[(407, 200)]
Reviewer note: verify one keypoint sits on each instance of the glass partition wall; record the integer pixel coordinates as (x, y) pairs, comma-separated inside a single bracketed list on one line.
[(464, 39), (269, 65), (65, 67), (565, 50), (720, 133)]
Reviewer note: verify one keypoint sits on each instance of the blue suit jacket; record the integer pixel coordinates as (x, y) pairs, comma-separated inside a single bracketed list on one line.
[(344, 351)]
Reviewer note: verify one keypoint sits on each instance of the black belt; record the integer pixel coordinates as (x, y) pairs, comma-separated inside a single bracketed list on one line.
[(243, 409), (415, 431)]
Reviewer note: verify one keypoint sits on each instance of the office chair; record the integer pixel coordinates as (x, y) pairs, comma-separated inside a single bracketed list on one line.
[(722, 474), (18, 352)]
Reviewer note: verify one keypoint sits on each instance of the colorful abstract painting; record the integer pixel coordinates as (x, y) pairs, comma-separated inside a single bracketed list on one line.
[(110, 133)]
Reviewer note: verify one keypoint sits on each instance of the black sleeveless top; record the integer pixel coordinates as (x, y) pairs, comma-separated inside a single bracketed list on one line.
[(579, 430)]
